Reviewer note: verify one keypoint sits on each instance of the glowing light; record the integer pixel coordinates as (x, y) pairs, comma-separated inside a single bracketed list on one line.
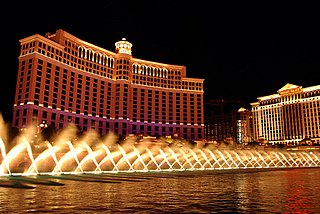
[(90, 154), (123, 46)]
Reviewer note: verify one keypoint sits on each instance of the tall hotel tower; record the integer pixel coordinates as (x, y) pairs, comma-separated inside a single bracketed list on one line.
[(289, 117), (63, 79)]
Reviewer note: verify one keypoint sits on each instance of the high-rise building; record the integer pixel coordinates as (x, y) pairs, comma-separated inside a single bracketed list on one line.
[(223, 121), (63, 79), (244, 126), (290, 117)]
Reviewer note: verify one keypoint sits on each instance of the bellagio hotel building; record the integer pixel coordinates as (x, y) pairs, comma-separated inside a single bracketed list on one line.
[(63, 79), (289, 117)]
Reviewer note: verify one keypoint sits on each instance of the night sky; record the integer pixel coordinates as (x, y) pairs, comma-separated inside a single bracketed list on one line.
[(243, 50)]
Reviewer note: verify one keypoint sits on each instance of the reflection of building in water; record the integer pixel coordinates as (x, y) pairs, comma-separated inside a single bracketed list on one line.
[(63, 79), (290, 117)]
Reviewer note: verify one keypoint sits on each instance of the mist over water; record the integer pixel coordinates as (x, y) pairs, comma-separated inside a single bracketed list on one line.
[(71, 153)]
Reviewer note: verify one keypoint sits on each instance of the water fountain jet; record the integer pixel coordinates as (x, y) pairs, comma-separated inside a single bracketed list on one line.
[(71, 154)]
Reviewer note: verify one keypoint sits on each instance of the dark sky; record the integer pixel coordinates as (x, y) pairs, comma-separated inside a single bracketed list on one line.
[(242, 49)]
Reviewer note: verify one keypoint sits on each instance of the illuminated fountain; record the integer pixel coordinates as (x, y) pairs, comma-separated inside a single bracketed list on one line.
[(69, 154)]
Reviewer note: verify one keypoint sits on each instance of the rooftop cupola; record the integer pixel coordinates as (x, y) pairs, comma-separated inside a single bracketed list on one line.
[(123, 46)]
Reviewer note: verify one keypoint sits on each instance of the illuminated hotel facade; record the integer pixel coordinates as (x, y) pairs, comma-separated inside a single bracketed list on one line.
[(63, 79), (289, 117)]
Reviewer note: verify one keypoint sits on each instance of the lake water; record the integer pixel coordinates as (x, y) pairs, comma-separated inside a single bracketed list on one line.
[(217, 191)]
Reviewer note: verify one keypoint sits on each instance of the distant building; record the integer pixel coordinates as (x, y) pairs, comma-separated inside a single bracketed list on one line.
[(290, 117), (63, 79), (244, 126), (223, 121)]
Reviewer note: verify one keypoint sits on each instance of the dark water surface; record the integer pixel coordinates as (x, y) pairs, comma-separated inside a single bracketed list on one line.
[(220, 191)]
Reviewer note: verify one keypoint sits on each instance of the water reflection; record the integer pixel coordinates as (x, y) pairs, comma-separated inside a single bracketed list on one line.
[(236, 191)]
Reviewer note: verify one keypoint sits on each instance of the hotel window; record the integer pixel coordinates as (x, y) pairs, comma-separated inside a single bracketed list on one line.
[(163, 130)]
